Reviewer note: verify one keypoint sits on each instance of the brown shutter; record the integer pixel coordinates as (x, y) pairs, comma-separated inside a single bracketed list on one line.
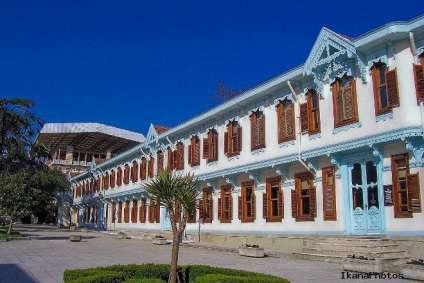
[(280, 204), (254, 206), (414, 197), (262, 131), (196, 155), (226, 143), (294, 203), (419, 81), (392, 88), (313, 199), (219, 209), (210, 205), (239, 138), (240, 207), (181, 160), (230, 208), (200, 209), (265, 206), (190, 149), (304, 117), (206, 148)]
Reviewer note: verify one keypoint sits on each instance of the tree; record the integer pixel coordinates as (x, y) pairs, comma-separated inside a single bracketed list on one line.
[(27, 185), (179, 195), (223, 93)]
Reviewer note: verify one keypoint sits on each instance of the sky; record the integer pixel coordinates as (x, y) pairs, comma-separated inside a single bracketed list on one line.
[(128, 64)]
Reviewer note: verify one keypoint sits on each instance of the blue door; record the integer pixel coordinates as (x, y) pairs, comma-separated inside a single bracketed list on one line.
[(365, 203)]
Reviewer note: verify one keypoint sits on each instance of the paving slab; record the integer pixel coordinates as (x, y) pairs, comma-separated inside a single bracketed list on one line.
[(53, 253)]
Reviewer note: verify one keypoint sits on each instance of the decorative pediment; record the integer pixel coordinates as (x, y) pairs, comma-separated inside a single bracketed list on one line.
[(152, 135), (332, 56)]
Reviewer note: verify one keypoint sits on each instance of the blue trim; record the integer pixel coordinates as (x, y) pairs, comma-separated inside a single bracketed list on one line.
[(258, 151), (314, 137), (347, 127), (233, 158), (286, 144), (405, 233), (384, 117)]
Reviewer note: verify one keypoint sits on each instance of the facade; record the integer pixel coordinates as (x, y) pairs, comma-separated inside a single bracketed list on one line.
[(334, 146), (74, 146)]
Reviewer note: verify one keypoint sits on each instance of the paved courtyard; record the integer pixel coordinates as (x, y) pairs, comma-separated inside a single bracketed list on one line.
[(49, 253)]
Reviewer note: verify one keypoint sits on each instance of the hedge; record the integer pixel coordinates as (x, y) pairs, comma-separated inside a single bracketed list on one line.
[(160, 272), (144, 280), (221, 278)]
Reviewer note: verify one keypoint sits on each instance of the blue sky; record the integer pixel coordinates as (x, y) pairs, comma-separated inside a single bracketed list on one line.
[(131, 63)]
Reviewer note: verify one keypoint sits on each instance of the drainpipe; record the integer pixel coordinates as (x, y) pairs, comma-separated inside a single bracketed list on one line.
[(299, 154), (413, 47)]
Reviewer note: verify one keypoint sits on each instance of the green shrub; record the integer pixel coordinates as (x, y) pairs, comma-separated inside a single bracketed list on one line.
[(192, 272), (71, 275), (100, 277), (221, 278), (149, 270), (144, 280)]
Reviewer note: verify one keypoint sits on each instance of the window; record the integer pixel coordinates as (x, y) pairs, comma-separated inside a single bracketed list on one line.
[(406, 189), (127, 211), (309, 114), (154, 211), (143, 168), (344, 101), (113, 212), (126, 174), (273, 209), (179, 156), (257, 130), (106, 181), (134, 211), (386, 94), (419, 79), (119, 177), (210, 146), (142, 212), (286, 121), (233, 139), (225, 204), (194, 151), (304, 197), (247, 202), (171, 163), (206, 206), (329, 193), (120, 212), (112, 179), (151, 166), (159, 155), (134, 171)]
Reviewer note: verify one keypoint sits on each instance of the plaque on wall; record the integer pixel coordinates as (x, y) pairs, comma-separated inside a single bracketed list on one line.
[(388, 195)]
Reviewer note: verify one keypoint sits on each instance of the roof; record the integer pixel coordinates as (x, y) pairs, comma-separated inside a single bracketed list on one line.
[(93, 137), (161, 129)]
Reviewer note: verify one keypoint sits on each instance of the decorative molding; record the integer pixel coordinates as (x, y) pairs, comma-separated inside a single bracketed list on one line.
[(288, 184), (347, 127), (377, 150), (315, 136), (384, 117), (288, 96), (213, 163), (286, 144), (283, 171), (231, 180), (255, 176), (257, 151), (231, 158), (416, 146)]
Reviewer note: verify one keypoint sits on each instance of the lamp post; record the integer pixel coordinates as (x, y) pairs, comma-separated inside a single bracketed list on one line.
[(200, 221), (71, 202)]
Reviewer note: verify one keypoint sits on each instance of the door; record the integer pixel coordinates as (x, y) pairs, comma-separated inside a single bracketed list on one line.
[(365, 203)]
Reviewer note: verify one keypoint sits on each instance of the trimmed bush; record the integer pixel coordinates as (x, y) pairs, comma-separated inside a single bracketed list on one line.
[(100, 277), (149, 270), (71, 275), (145, 280), (221, 278)]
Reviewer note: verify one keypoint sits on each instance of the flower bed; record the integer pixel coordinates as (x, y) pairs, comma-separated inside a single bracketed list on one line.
[(251, 251)]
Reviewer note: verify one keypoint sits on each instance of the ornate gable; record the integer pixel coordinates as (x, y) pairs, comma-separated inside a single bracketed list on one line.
[(152, 135), (332, 55)]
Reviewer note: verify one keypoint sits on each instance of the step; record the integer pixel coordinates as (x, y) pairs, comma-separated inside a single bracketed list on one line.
[(357, 248), (371, 254), (388, 262)]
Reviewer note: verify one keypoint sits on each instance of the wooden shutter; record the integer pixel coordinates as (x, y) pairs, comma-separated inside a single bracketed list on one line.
[(210, 208), (304, 125), (392, 88), (265, 206), (414, 197), (219, 209), (230, 208), (181, 158), (206, 148), (240, 207), (226, 143), (280, 204), (253, 206), (200, 209), (239, 138), (313, 200), (419, 81), (294, 203), (261, 131), (190, 150)]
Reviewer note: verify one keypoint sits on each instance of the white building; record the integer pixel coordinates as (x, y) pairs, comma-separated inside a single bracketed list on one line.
[(334, 146)]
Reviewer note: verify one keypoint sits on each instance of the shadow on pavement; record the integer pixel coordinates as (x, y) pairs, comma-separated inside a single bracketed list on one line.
[(56, 238), (13, 273)]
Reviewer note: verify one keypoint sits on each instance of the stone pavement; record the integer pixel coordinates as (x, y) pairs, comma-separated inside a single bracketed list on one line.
[(49, 253)]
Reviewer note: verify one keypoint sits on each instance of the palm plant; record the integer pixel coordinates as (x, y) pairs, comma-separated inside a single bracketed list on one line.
[(179, 195)]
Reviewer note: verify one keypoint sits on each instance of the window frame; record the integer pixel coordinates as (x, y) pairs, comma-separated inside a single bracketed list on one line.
[(314, 125), (329, 206), (233, 139), (284, 137), (225, 215), (194, 151), (297, 206), (207, 205), (270, 202), (335, 88), (245, 203), (395, 159), (257, 128)]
